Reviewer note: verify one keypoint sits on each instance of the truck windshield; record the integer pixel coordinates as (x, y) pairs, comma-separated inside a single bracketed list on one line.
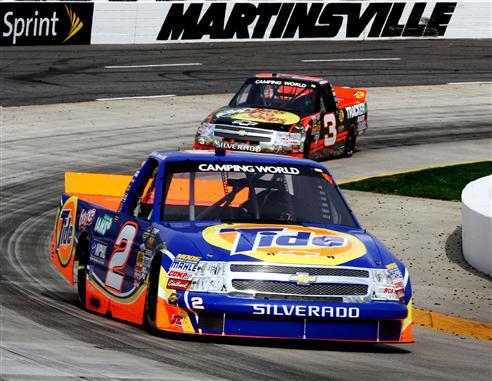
[(251, 192), (298, 97)]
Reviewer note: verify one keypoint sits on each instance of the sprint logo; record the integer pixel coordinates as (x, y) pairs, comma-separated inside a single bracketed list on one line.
[(45, 24), (75, 24)]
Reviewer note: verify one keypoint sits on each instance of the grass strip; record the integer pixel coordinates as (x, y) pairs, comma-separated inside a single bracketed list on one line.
[(442, 183)]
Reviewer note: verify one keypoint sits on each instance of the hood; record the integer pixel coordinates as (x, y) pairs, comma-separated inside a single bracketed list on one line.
[(273, 243), (256, 117)]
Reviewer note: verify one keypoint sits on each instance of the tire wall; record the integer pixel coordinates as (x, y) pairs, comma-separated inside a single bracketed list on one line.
[(477, 224)]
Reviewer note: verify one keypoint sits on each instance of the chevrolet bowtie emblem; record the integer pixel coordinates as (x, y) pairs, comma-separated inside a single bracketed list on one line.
[(302, 279), (245, 123)]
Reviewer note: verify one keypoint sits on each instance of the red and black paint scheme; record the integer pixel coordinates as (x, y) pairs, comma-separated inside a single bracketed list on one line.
[(234, 244), (288, 114)]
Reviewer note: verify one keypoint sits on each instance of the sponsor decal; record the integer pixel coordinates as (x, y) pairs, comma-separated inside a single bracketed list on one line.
[(181, 271), (248, 168), (306, 311), (103, 224), (280, 83), (185, 262), (128, 188), (148, 237), (356, 110), (286, 243), (304, 20), (362, 125), (398, 280), (359, 94), (39, 23), (262, 115), (178, 284), (65, 231), (295, 84), (139, 272), (86, 218), (98, 252), (177, 320), (341, 116), (176, 274), (268, 82), (288, 139), (237, 146)]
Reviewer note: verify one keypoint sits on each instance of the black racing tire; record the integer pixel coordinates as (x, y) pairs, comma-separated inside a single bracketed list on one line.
[(350, 142), (307, 145), (82, 260), (152, 291)]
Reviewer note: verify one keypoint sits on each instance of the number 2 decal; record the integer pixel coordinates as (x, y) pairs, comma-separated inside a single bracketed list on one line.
[(197, 303), (119, 258), (330, 124)]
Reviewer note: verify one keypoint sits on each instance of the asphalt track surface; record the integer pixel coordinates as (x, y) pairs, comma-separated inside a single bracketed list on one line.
[(45, 335), (34, 75)]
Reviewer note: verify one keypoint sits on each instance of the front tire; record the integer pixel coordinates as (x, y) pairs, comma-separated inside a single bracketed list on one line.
[(307, 145), (350, 142), (152, 290)]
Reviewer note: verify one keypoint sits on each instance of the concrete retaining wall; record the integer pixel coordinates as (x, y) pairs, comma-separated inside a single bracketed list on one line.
[(223, 21), (150, 22)]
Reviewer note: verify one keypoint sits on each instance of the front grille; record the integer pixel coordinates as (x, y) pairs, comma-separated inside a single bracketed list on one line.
[(249, 134), (325, 299), (238, 138), (327, 289), (317, 271)]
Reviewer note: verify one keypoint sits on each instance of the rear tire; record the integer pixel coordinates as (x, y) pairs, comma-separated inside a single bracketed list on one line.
[(350, 142), (152, 290), (81, 262)]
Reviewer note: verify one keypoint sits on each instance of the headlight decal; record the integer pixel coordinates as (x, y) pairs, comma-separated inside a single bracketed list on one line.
[(206, 130), (388, 284), (209, 277)]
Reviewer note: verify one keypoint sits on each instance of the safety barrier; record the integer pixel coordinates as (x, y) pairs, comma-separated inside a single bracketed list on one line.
[(149, 22), (476, 199)]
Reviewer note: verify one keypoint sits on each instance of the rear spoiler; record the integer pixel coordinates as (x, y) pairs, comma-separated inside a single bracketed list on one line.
[(348, 96), (103, 190)]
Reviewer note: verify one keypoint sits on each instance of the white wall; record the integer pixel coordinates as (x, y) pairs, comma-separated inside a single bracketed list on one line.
[(140, 22), (476, 199)]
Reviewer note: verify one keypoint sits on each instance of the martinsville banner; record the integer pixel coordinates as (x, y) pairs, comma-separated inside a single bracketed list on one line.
[(164, 22), (150, 22)]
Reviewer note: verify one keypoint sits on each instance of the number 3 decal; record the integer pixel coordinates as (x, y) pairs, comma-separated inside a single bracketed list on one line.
[(122, 249), (330, 124)]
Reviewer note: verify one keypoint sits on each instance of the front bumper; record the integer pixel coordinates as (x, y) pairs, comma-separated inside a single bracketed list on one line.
[(243, 147), (248, 139), (218, 314)]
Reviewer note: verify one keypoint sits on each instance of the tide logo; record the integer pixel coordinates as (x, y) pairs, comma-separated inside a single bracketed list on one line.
[(65, 230), (286, 243)]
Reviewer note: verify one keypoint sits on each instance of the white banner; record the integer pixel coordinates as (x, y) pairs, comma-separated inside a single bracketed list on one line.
[(167, 22)]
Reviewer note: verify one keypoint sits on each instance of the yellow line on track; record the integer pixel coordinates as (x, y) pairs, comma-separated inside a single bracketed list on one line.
[(452, 324)]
